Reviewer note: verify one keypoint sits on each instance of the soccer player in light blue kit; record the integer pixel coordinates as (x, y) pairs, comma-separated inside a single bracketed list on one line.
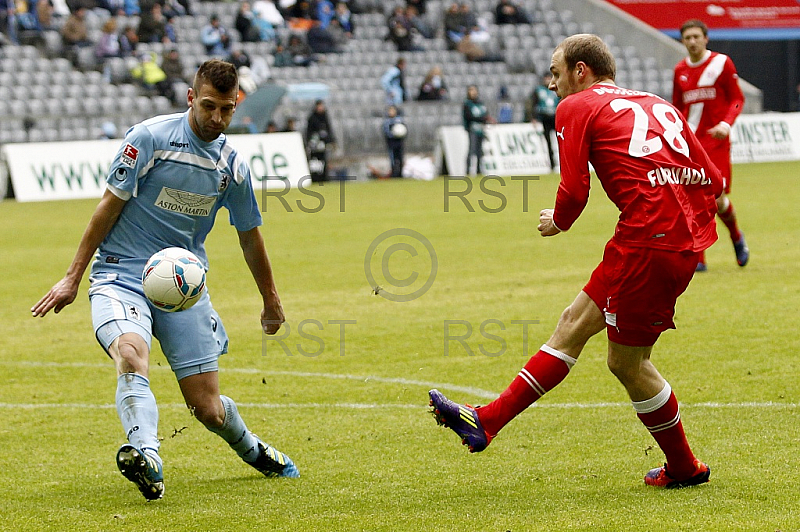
[(164, 188)]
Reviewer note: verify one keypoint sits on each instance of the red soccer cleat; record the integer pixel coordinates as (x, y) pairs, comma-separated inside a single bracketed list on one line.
[(660, 477)]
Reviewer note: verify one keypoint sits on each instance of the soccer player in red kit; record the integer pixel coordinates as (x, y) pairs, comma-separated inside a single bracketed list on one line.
[(655, 171), (706, 91)]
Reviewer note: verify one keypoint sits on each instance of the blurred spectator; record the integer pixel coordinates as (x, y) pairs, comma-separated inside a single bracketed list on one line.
[(45, 12), (474, 116), (8, 19), (338, 35), (400, 31), (215, 37), (507, 12), (345, 18), (299, 51), (172, 65), (108, 43), (394, 84), (474, 52), (505, 109), (433, 87), (282, 57), (324, 12), (320, 40), (152, 25), (239, 58), (29, 31), (541, 107), (469, 20), (114, 7), (244, 24), (290, 126), (319, 137), (128, 41), (300, 15), (75, 33), (267, 10), (395, 132), (418, 23), (169, 30), (152, 77), (175, 8), (272, 127), (266, 32), (418, 4), (454, 28), (132, 7)]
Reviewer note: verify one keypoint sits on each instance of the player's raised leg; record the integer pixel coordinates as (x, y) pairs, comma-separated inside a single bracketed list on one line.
[(543, 372), (137, 460), (219, 414), (657, 408)]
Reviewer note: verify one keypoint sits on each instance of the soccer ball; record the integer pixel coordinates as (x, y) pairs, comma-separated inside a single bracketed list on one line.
[(399, 130), (174, 279)]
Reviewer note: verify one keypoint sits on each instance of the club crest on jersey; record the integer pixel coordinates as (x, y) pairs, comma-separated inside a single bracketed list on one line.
[(133, 313), (224, 182), (129, 155)]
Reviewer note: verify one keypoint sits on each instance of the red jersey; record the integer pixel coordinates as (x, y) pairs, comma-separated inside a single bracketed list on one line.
[(647, 159), (707, 93)]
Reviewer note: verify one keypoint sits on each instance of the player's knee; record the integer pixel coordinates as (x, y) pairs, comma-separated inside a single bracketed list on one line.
[(623, 369), (209, 414), (131, 354)]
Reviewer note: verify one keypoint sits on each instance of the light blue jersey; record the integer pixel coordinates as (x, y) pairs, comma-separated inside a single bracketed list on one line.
[(174, 184)]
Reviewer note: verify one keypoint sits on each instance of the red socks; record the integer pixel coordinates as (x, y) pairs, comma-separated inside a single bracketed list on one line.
[(542, 373), (728, 217), (662, 417)]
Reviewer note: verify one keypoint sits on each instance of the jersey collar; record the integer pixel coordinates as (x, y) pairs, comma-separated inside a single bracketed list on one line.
[(702, 60)]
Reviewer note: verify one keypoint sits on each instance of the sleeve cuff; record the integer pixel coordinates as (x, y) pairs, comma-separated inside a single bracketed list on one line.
[(118, 192)]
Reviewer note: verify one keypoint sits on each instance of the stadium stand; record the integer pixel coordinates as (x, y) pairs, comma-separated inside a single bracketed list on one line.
[(44, 96)]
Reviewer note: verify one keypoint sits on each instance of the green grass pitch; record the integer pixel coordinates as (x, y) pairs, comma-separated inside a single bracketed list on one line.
[(353, 414)]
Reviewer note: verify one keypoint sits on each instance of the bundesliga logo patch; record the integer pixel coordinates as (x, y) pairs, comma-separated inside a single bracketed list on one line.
[(129, 155)]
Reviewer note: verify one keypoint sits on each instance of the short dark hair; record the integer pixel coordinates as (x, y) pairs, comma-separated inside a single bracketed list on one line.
[(221, 74), (591, 50), (695, 23)]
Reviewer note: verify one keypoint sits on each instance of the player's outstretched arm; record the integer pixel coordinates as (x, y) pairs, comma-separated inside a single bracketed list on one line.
[(255, 254), (546, 225), (64, 292)]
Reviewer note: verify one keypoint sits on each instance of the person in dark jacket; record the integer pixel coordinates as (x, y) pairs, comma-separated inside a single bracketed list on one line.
[(395, 132), (475, 116), (319, 136)]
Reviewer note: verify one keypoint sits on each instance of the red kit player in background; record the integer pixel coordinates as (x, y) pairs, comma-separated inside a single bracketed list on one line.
[(706, 91), (655, 171)]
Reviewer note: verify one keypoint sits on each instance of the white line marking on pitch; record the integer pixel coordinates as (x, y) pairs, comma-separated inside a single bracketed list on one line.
[(477, 392)]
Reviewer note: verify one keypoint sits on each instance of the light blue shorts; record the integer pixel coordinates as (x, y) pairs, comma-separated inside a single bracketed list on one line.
[(192, 340)]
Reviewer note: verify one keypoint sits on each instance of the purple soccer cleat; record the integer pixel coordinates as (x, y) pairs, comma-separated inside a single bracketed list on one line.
[(461, 419)]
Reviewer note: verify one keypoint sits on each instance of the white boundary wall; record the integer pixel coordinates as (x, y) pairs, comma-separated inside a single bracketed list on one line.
[(74, 170)]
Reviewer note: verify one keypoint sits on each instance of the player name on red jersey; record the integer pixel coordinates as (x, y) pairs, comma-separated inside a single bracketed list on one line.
[(677, 175)]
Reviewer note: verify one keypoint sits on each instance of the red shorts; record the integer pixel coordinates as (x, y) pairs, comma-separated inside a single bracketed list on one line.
[(636, 288)]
